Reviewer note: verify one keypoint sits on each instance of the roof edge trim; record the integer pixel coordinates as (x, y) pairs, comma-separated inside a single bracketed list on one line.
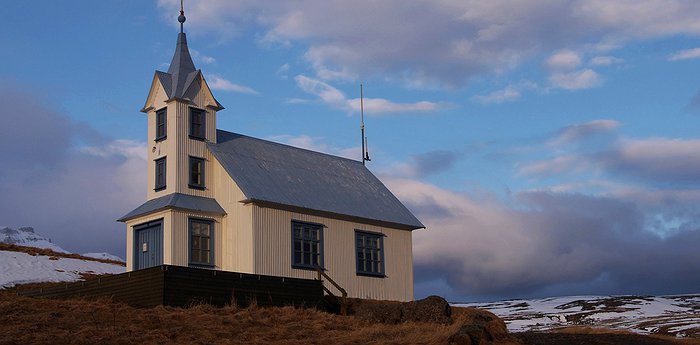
[(328, 214)]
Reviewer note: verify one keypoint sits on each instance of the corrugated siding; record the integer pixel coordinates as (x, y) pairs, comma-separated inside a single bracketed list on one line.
[(162, 148), (272, 235), (237, 239), (167, 220)]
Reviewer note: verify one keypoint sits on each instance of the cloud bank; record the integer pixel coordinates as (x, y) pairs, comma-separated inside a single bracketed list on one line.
[(449, 42), (64, 179)]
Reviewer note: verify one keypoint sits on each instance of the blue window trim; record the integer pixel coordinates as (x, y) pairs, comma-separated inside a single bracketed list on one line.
[(380, 236), (164, 113), (203, 125), (212, 246), (159, 187), (320, 236), (201, 185)]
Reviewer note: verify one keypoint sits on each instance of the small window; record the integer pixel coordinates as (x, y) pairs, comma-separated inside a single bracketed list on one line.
[(201, 242), (161, 129), (196, 173), (160, 174), (197, 124), (369, 247), (307, 245)]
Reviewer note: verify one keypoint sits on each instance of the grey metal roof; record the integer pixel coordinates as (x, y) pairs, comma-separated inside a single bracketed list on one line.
[(176, 200), (276, 174)]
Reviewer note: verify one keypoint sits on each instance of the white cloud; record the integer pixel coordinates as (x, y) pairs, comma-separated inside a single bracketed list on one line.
[(120, 147), (564, 60), (282, 71), (583, 79), (197, 56), (581, 131), (449, 41), (685, 54), (335, 98), (605, 60), (315, 144), (508, 94), (216, 82)]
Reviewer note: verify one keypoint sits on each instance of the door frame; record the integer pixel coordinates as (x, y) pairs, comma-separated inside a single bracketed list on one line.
[(136, 243)]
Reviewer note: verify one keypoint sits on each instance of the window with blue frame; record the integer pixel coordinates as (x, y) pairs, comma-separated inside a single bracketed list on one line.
[(160, 174), (161, 124), (196, 173), (307, 245), (369, 249), (197, 124), (201, 242)]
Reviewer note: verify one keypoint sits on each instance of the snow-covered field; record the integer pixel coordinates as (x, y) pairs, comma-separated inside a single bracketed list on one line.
[(22, 268), (673, 315)]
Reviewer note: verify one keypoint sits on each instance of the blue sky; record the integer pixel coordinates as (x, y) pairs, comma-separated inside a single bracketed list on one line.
[(551, 148)]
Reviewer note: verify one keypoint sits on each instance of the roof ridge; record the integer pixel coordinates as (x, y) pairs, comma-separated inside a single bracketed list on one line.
[(290, 146)]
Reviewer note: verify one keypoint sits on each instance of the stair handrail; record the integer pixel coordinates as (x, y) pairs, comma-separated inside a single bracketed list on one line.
[(344, 294)]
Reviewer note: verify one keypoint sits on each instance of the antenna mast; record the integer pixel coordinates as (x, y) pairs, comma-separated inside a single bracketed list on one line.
[(365, 150)]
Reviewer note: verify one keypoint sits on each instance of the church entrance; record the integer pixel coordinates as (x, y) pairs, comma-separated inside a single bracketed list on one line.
[(148, 244)]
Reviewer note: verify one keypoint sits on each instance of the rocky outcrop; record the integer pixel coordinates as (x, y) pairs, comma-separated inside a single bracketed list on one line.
[(431, 309), (480, 327)]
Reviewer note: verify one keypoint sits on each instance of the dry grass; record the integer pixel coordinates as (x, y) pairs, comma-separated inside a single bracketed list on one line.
[(51, 253), (41, 321)]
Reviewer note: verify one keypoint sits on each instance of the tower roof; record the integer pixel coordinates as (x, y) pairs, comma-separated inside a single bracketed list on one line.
[(181, 74), (181, 68)]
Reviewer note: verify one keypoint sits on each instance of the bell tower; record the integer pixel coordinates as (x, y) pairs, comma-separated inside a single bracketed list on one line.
[(181, 111)]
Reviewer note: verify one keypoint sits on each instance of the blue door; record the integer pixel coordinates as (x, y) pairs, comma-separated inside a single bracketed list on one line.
[(148, 245)]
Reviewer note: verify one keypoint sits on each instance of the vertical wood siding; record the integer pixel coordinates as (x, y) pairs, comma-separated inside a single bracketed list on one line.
[(237, 238), (272, 235)]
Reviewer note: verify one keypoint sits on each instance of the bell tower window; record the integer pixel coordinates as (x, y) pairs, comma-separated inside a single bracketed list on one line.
[(161, 124), (197, 124), (160, 174), (196, 173)]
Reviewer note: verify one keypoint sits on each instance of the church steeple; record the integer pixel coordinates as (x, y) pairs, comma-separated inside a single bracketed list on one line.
[(181, 67), (183, 79)]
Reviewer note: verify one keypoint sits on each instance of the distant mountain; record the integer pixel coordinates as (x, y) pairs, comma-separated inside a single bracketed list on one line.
[(25, 236), (105, 256)]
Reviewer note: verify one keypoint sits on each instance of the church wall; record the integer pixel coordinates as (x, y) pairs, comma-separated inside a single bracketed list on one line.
[(179, 243), (237, 237), (273, 254), (162, 148)]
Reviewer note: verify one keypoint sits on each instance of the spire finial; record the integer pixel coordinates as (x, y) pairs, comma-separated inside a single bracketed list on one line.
[(181, 18)]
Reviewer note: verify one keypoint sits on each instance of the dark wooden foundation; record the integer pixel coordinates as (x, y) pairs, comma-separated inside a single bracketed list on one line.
[(184, 286)]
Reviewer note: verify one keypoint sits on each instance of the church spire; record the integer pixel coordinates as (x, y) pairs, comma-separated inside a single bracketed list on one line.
[(181, 66)]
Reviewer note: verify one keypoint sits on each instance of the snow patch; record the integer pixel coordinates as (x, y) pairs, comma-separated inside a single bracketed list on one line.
[(673, 315), (22, 268)]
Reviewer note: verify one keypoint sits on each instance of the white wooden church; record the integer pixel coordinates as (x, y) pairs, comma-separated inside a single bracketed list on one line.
[(225, 201)]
